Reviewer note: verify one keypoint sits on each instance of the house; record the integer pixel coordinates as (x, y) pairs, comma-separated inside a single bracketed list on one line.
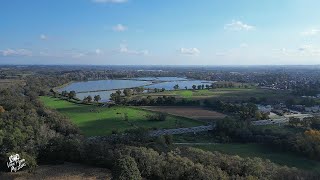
[(264, 109), (313, 109), (298, 107)]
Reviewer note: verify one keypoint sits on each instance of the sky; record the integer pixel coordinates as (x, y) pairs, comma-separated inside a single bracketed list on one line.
[(160, 32)]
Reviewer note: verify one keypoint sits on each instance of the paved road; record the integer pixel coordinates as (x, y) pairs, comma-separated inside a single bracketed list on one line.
[(181, 130), (194, 143)]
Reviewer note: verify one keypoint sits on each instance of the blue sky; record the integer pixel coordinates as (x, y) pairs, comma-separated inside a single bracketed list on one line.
[(160, 32)]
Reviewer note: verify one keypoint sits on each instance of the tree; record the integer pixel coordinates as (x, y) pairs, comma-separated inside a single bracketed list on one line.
[(118, 92), (315, 123), (127, 92), (138, 89), (186, 87), (194, 87), (159, 100), (72, 94), (199, 87), (126, 169), (207, 86), (258, 115), (176, 87), (202, 86), (156, 90), (89, 98), (157, 116), (2, 110), (64, 93), (97, 98), (115, 97), (294, 121)]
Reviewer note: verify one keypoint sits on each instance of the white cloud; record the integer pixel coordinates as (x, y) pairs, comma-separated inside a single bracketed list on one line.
[(119, 28), (309, 50), (302, 51), (310, 32), (189, 51), (124, 49), (43, 37), (244, 45), (109, 1), (238, 26), (98, 51), (16, 52), (78, 55)]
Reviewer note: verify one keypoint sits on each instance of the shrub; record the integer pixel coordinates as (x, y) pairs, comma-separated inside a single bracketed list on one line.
[(126, 169), (157, 117)]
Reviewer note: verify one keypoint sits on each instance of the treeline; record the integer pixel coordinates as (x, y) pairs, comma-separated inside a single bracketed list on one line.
[(26, 126), (311, 88), (242, 111), (303, 140), (129, 158)]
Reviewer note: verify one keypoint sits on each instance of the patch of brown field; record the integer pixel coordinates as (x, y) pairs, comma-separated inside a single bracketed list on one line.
[(69, 171), (194, 112)]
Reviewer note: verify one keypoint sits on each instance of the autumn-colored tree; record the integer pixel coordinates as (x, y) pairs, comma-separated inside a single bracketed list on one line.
[(313, 135), (2, 110)]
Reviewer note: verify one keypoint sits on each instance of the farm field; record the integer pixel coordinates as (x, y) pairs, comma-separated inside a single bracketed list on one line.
[(264, 152), (197, 113), (94, 121)]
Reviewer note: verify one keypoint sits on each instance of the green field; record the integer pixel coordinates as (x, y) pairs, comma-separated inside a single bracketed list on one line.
[(94, 120), (231, 94), (264, 152)]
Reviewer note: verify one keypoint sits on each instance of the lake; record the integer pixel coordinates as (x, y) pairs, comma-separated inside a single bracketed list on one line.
[(102, 85), (105, 88)]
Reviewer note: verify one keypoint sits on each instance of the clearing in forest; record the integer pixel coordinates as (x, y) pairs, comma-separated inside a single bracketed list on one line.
[(96, 121)]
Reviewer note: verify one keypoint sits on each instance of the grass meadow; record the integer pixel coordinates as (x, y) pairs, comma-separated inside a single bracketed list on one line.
[(95, 121)]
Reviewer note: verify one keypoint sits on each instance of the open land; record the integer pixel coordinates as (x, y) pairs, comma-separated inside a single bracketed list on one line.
[(194, 112), (96, 121), (225, 94)]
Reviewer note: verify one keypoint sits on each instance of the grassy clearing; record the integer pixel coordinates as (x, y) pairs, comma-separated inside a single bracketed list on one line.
[(262, 151), (229, 94), (95, 121)]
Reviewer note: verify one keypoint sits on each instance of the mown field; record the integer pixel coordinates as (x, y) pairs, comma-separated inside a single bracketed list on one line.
[(93, 120), (230, 94), (264, 152)]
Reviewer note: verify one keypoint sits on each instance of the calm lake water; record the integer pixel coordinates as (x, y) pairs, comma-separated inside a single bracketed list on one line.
[(101, 85), (161, 78), (105, 88)]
